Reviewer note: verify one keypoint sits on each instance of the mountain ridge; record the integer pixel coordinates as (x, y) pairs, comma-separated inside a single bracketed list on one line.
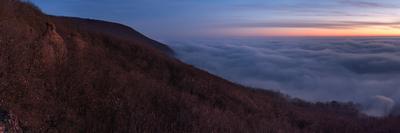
[(111, 29)]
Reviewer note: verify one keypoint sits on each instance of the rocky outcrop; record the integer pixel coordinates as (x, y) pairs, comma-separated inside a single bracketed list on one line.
[(53, 51)]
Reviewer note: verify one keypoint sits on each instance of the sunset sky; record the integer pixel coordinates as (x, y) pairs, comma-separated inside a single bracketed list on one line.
[(203, 18)]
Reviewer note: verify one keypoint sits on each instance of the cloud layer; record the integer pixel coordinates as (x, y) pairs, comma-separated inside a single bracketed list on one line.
[(363, 70)]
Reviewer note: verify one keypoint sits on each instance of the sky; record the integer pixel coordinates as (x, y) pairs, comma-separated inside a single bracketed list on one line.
[(163, 19)]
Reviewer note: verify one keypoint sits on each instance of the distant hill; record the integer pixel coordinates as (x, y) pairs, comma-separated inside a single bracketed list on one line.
[(114, 30), (60, 74)]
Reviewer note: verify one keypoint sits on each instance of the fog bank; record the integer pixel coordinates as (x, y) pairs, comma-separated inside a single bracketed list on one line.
[(362, 70)]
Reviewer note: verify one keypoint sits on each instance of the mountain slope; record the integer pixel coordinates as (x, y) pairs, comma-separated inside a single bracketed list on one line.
[(58, 75), (111, 29)]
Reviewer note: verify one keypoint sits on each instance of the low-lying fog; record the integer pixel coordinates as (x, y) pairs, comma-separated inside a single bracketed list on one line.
[(362, 70)]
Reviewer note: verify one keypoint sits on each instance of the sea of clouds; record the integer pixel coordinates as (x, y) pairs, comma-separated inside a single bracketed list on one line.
[(361, 70)]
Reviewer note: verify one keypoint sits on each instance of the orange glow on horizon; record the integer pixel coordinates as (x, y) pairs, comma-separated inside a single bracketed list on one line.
[(368, 31)]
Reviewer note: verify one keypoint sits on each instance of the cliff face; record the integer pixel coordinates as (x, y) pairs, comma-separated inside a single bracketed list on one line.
[(59, 74)]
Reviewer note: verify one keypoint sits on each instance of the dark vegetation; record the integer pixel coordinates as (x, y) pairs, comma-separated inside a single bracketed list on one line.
[(61, 74)]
